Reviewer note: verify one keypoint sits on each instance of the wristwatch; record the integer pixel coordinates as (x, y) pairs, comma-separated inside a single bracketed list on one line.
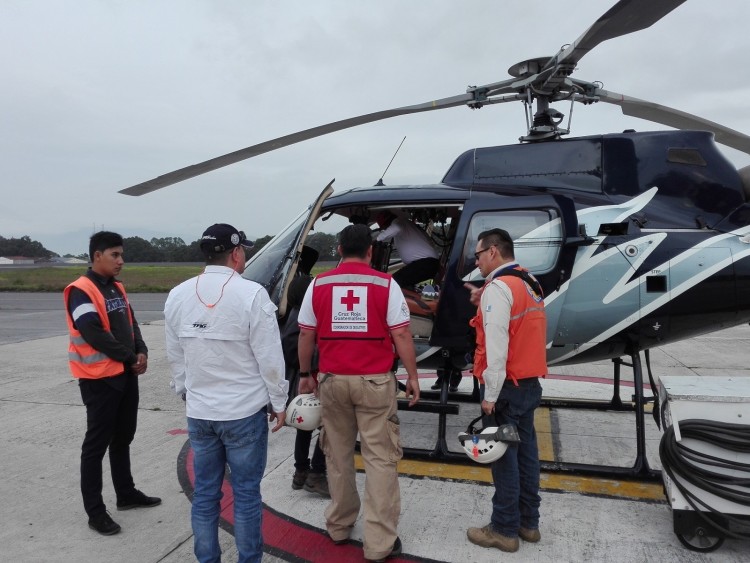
[(304, 374)]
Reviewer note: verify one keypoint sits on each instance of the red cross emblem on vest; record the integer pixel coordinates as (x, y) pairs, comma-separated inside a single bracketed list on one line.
[(350, 300)]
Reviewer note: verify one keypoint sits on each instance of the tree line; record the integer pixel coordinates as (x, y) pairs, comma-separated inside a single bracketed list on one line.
[(165, 249), (24, 246)]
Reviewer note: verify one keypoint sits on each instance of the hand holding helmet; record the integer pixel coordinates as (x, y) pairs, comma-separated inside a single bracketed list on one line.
[(487, 444), (304, 412)]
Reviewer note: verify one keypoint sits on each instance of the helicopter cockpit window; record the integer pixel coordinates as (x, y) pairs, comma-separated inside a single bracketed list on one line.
[(536, 233), (269, 263)]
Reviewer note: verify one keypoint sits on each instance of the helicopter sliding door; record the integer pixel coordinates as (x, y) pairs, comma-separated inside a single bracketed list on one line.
[(541, 227)]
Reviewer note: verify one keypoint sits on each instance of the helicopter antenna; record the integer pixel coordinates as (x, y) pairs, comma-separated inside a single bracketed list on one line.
[(380, 182)]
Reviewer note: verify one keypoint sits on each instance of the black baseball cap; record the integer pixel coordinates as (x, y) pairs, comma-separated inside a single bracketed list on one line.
[(221, 237)]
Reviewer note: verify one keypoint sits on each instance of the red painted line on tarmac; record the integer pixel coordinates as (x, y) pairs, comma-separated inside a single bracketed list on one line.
[(297, 541), (588, 379), (283, 536), (226, 511)]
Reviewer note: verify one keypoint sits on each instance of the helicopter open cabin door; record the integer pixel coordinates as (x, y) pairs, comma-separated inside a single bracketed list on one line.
[(275, 265)]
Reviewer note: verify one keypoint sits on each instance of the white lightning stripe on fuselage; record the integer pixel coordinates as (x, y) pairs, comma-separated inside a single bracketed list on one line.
[(593, 218), (660, 301), (625, 284), (625, 209), (706, 243)]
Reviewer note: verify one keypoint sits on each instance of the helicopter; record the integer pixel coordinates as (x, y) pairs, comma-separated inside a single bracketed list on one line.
[(638, 239)]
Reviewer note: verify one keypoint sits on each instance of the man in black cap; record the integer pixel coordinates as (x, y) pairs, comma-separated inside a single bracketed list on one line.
[(225, 353)]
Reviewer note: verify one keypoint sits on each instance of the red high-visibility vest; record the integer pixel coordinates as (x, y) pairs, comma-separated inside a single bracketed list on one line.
[(84, 360), (351, 305)]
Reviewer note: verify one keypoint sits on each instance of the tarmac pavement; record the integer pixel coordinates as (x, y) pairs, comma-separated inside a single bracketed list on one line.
[(42, 516)]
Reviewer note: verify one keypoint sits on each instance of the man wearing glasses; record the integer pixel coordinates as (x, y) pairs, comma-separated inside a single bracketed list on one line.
[(509, 360)]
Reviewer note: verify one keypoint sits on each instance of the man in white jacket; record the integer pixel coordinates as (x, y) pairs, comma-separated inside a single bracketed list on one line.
[(224, 350)]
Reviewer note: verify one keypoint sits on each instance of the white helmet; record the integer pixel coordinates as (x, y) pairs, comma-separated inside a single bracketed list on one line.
[(304, 412), (488, 444)]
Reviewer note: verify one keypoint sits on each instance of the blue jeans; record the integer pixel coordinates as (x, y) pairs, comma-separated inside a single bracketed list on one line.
[(243, 444), (516, 475)]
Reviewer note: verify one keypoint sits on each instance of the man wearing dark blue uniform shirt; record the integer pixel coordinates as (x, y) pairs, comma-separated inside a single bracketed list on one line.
[(106, 354)]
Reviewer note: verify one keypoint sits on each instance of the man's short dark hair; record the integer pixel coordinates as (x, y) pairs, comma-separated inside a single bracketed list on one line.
[(216, 258), (103, 240), (355, 240), (499, 238)]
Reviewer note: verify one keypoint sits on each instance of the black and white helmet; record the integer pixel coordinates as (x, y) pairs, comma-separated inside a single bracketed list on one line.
[(304, 412), (487, 444)]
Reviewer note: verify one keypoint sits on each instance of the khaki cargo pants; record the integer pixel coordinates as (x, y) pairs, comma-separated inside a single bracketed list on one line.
[(364, 404)]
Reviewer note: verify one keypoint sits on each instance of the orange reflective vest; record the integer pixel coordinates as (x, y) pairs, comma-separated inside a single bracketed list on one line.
[(527, 334), (84, 360)]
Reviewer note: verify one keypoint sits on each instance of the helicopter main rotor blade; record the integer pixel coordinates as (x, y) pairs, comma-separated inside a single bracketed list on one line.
[(675, 118), (627, 16), (249, 152)]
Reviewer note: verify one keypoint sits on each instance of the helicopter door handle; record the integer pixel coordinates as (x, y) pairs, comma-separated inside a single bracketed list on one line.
[(561, 280)]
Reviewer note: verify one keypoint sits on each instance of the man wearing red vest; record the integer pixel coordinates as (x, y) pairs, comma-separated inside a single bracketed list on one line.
[(510, 358), (357, 315), (106, 354)]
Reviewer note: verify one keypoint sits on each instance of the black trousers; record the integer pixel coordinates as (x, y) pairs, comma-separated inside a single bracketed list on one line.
[(302, 453), (419, 270), (111, 416)]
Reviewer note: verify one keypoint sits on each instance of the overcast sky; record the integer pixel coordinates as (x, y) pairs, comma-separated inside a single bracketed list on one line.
[(99, 95)]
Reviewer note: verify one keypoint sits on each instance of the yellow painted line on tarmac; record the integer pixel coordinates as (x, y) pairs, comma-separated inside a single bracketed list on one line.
[(634, 490), (478, 473), (543, 426), (438, 470)]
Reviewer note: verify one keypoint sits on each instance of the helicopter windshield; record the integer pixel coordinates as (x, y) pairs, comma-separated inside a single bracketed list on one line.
[(267, 265)]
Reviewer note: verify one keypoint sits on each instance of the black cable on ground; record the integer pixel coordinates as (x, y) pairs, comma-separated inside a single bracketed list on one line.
[(686, 465)]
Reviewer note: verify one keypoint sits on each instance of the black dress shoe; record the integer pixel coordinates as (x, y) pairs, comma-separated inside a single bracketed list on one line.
[(435, 386), (395, 552), (104, 524), (137, 500), (342, 541)]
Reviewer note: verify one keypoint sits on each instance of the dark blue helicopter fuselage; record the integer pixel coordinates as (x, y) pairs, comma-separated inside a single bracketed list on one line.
[(672, 267), (700, 196)]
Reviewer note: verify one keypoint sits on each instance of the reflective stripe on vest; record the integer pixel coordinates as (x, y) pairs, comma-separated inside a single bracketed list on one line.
[(527, 349), (352, 335), (84, 360), (353, 278)]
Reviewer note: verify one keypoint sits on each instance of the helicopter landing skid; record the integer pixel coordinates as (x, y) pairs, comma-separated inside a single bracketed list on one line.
[(438, 402), (640, 469)]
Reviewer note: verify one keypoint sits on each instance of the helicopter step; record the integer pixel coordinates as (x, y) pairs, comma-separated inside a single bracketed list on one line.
[(638, 404), (429, 406)]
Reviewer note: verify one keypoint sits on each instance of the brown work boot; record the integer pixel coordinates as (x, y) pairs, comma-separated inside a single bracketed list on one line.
[(317, 483), (487, 537), (529, 535), (298, 481)]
